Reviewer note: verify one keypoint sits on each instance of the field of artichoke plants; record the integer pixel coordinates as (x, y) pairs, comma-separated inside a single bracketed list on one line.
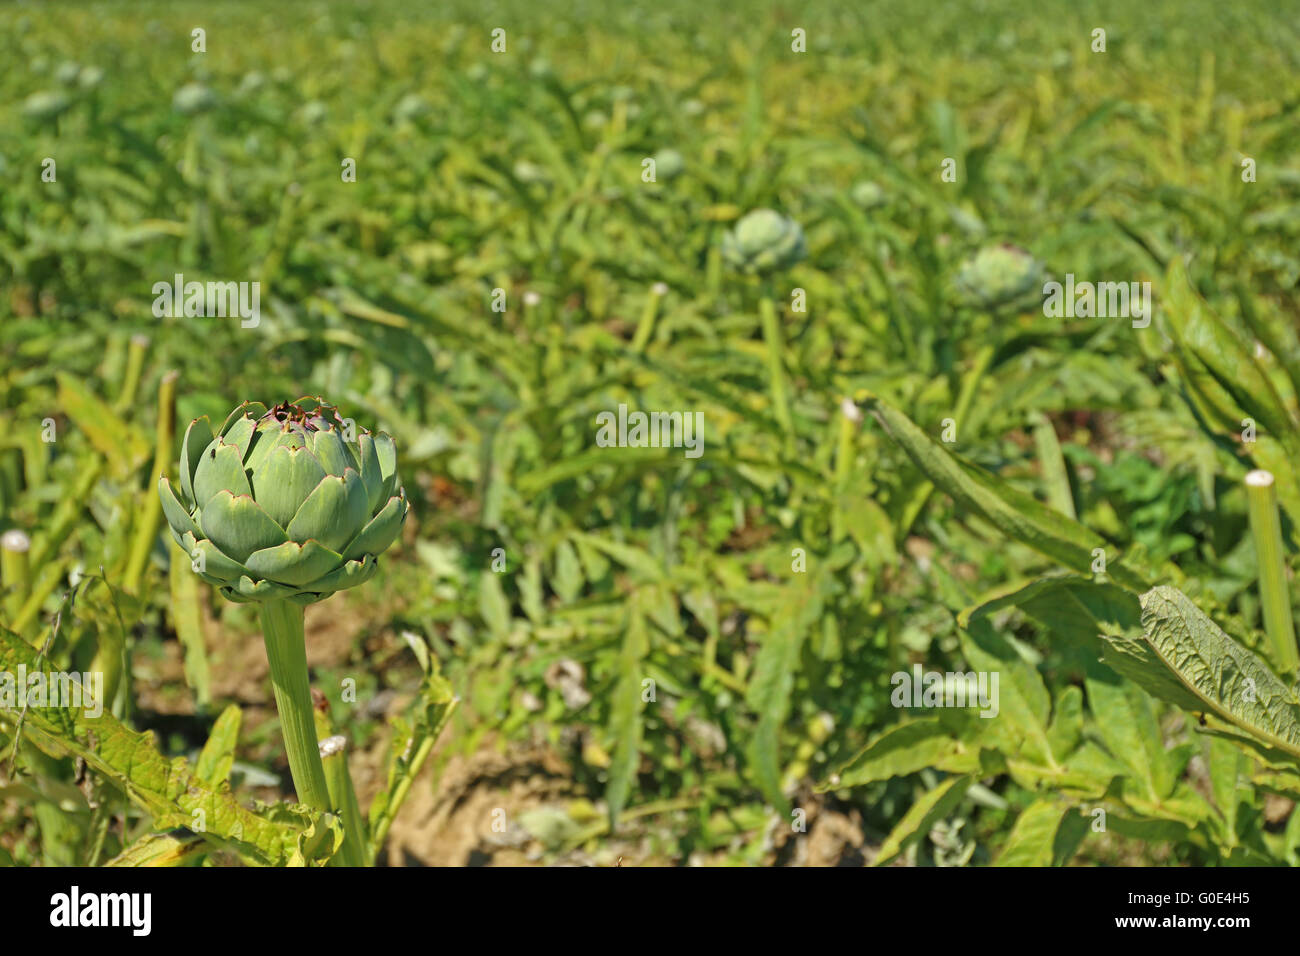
[(649, 434)]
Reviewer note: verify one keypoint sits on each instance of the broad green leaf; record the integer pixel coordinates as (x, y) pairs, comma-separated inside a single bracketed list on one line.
[(1227, 766), (772, 683), (162, 849), (1227, 678), (906, 748), (493, 606), (621, 459), (165, 789), (218, 754), (567, 579), (932, 807), (1032, 840), (1066, 728), (1227, 357), (1097, 616), (632, 558), (1024, 706), (1074, 827), (1013, 512), (1128, 726)]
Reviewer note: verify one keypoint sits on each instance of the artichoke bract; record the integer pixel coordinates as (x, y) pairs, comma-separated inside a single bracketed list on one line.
[(278, 506), (764, 241), (1004, 275)]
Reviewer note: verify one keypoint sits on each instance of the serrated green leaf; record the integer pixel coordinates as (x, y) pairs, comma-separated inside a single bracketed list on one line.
[(933, 806), (1032, 841), (1014, 513), (771, 686), (162, 849), (218, 753), (906, 748), (1095, 615), (1227, 678), (165, 789)]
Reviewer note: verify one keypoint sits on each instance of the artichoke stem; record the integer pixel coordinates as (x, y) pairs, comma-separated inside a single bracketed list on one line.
[(776, 367), (344, 796), (134, 369), (646, 326), (286, 652), (15, 572), (150, 517), (1274, 593)]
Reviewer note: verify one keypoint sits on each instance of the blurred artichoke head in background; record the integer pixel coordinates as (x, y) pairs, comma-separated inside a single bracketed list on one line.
[(763, 241), (46, 104), (669, 164), (277, 505), (193, 98), (867, 194), (1000, 276)]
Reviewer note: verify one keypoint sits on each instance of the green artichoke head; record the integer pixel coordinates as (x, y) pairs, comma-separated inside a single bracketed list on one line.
[(763, 241), (193, 98), (279, 505), (669, 164), (1000, 276), (46, 104), (867, 194)]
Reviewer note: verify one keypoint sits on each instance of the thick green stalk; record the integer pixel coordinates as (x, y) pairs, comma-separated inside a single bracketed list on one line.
[(776, 366), (134, 368), (286, 652), (645, 327), (15, 573), (1266, 528), (146, 532), (850, 416), (343, 797)]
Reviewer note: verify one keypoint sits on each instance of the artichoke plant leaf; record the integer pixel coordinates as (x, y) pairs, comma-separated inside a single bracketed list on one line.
[(167, 789)]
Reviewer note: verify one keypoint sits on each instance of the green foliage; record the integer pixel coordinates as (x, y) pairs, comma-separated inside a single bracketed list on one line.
[(704, 641)]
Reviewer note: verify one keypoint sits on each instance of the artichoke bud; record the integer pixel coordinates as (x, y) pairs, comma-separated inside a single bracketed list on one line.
[(764, 241), (281, 504), (867, 195), (999, 276), (46, 104), (193, 98), (669, 164)]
